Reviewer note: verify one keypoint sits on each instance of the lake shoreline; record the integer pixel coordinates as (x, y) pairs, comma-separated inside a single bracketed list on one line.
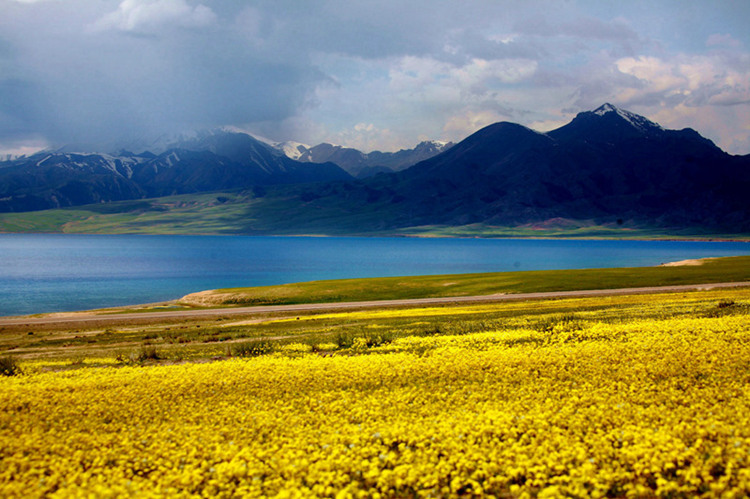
[(189, 305)]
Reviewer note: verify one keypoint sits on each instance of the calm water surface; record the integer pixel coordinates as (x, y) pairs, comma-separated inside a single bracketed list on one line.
[(59, 272)]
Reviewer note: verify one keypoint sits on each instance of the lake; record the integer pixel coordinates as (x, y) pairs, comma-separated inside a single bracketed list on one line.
[(64, 272)]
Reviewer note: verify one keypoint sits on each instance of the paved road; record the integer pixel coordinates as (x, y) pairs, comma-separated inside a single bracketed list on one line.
[(227, 312)]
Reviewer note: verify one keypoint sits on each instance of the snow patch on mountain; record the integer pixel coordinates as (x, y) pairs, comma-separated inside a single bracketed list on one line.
[(39, 163), (172, 159)]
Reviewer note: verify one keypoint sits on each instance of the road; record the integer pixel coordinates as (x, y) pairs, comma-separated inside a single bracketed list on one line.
[(119, 318)]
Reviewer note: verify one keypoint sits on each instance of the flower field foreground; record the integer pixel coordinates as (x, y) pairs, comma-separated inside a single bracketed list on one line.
[(638, 408)]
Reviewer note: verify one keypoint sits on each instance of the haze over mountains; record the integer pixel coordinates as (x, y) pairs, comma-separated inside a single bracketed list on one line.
[(608, 166)]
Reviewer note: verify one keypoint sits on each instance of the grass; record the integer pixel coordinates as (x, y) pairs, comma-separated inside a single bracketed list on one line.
[(9, 366), (204, 213), (568, 229), (252, 348), (212, 213), (283, 211), (732, 269)]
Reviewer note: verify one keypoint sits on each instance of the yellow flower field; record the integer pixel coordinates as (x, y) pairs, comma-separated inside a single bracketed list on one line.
[(642, 408)]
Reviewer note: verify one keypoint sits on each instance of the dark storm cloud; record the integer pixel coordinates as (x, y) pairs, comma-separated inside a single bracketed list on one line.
[(140, 68)]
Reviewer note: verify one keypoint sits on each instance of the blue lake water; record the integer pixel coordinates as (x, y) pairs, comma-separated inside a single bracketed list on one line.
[(62, 272)]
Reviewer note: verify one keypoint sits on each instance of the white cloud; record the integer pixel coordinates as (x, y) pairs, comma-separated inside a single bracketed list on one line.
[(407, 99), (149, 16), (467, 122), (689, 80), (476, 76), (13, 148), (656, 76), (547, 125), (365, 137), (727, 126)]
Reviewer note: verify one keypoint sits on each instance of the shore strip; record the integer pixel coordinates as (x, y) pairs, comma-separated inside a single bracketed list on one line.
[(83, 317)]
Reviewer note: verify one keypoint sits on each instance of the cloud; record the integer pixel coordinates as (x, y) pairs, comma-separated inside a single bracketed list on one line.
[(102, 87), (583, 27), (688, 80), (722, 40), (418, 75), (151, 16), (14, 148), (106, 71), (727, 126), (470, 121), (364, 136), (710, 93)]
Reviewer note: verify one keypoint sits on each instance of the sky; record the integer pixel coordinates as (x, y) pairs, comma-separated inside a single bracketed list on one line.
[(373, 75)]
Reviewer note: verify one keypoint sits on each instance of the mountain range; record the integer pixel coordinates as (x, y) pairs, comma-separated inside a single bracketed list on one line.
[(363, 165), (607, 166), (206, 161)]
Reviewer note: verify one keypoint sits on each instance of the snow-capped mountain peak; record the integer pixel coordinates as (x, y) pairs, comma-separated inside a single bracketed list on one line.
[(605, 108), (430, 147), (291, 149), (633, 119)]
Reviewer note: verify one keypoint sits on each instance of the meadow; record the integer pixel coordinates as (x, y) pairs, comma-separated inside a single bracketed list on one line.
[(639, 395)]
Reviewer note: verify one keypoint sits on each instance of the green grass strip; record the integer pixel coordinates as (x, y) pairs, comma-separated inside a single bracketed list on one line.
[(730, 269)]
